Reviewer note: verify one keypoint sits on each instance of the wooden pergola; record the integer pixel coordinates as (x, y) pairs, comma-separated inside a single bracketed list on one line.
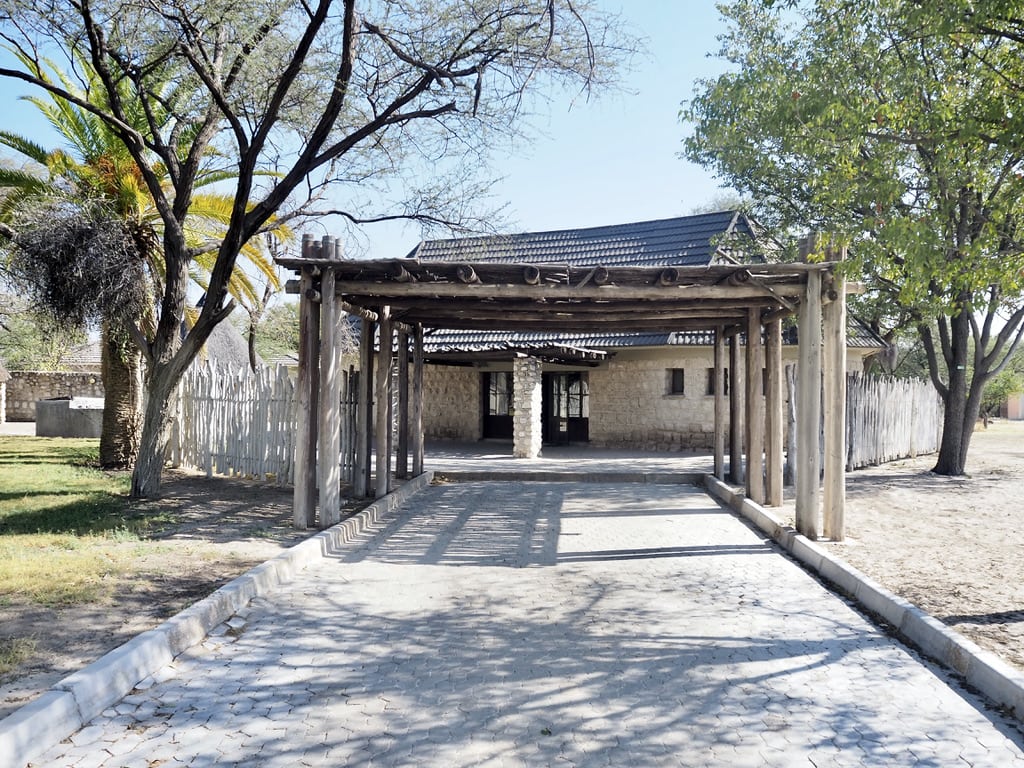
[(398, 298)]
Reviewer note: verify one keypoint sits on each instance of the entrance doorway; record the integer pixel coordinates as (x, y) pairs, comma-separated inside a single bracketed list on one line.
[(565, 408), (497, 405)]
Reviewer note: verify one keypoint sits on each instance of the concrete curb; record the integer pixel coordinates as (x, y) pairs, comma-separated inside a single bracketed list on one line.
[(981, 669), (554, 476), (78, 698)]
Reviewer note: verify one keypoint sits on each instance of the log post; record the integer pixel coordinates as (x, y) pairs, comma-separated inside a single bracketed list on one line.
[(719, 385), (382, 428), (774, 417), (308, 385), (402, 456), (735, 412), (808, 415), (755, 407), (417, 402), (834, 320), (364, 410), (330, 404)]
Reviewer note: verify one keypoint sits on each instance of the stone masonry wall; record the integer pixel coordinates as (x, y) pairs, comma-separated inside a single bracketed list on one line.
[(25, 387), (451, 402), (630, 406)]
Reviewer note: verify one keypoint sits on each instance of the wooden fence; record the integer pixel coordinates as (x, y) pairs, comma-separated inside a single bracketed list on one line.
[(243, 424), (889, 419), (235, 422)]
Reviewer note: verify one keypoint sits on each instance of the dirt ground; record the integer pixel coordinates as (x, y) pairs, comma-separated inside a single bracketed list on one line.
[(954, 546), (223, 528)]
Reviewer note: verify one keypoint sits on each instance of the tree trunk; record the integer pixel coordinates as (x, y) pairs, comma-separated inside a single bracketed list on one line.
[(155, 431), (959, 411), (122, 402)]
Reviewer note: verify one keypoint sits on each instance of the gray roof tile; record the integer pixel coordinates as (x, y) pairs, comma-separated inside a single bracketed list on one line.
[(689, 240)]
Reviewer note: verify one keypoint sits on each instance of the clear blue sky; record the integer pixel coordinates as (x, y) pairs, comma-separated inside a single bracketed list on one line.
[(610, 161), (616, 159)]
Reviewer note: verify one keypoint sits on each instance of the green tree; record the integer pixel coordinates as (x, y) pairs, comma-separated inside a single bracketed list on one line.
[(30, 340), (901, 137), (379, 102), (90, 191)]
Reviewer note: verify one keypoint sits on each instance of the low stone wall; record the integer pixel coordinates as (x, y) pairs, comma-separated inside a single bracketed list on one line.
[(25, 387)]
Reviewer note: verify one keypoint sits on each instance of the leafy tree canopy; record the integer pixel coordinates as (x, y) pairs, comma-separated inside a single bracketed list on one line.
[(903, 137)]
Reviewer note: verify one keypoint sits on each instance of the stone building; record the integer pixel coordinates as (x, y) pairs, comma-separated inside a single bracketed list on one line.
[(632, 389)]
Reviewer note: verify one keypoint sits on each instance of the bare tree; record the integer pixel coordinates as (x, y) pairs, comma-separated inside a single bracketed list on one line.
[(370, 110)]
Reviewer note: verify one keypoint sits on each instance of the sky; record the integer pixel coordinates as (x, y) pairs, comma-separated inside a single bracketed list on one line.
[(612, 160), (616, 159)]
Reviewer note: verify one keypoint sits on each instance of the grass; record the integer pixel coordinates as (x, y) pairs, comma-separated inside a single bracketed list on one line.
[(59, 517), (14, 651)]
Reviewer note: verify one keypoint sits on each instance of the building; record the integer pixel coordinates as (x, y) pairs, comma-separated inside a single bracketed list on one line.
[(638, 389)]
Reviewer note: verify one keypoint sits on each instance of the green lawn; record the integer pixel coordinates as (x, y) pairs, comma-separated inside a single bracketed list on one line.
[(59, 515)]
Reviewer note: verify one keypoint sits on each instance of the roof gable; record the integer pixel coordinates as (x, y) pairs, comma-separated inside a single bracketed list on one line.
[(685, 241)]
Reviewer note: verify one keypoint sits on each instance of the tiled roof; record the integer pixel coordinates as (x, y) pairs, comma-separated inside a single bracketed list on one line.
[(689, 240), (858, 336)]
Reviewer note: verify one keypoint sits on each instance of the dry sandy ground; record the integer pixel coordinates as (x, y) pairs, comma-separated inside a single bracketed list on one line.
[(954, 546)]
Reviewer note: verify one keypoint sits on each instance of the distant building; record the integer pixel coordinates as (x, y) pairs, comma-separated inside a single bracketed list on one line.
[(639, 389)]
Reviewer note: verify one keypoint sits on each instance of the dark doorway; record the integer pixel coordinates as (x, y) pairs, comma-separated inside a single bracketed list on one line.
[(565, 408), (496, 387)]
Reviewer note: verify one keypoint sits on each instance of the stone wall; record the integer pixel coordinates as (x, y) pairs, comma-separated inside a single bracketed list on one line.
[(25, 387), (631, 406), (451, 402)]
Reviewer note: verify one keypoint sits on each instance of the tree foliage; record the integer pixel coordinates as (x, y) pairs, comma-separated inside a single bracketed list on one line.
[(32, 341), (392, 105), (900, 133)]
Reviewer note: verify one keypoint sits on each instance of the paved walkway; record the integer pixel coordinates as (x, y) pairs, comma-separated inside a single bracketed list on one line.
[(531, 624)]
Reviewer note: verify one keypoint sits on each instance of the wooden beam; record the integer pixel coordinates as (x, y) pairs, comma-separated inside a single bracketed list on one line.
[(554, 292), (719, 384), (808, 417), (834, 321), (330, 405), (755, 408), (417, 402), (382, 477), (402, 455), (735, 412), (308, 386), (364, 411), (774, 415)]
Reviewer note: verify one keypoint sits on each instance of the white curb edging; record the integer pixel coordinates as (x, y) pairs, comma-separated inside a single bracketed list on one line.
[(78, 698), (981, 669)]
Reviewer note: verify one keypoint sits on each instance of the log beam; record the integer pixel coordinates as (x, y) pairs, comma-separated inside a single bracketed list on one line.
[(774, 415), (382, 477), (808, 416), (308, 386), (330, 405), (755, 408)]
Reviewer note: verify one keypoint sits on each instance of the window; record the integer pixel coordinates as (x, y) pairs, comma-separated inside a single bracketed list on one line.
[(711, 381), (676, 381), (499, 393)]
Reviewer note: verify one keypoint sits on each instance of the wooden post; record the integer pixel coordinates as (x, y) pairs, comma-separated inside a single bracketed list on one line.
[(364, 408), (382, 428), (735, 412), (719, 384), (330, 404), (308, 385), (402, 457), (834, 320), (808, 414), (774, 417), (755, 407), (417, 402)]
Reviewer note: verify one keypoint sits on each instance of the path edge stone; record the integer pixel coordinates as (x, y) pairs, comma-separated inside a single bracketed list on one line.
[(75, 700), (982, 670)]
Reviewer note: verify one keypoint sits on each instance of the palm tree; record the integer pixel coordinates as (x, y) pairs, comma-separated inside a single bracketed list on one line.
[(97, 167)]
